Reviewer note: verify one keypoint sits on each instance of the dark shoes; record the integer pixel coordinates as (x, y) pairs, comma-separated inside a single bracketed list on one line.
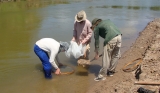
[(143, 90)]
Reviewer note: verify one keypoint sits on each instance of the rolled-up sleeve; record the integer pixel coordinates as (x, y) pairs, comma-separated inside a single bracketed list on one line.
[(96, 37)]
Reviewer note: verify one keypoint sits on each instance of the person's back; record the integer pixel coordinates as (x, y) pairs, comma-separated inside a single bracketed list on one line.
[(48, 44), (107, 30)]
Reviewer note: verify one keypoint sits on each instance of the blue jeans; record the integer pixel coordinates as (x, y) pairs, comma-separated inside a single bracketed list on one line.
[(43, 56)]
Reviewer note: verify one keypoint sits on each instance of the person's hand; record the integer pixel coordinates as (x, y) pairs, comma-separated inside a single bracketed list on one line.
[(96, 56), (82, 42), (57, 72)]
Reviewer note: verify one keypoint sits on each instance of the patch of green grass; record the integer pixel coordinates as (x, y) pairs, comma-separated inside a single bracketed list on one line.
[(117, 6), (155, 8), (102, 6), (134, 7)]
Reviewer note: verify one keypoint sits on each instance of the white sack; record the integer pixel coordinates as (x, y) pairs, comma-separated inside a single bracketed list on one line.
[(75, 50)]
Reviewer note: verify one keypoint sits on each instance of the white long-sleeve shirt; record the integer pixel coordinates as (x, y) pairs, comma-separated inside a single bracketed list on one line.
[(51, 46)]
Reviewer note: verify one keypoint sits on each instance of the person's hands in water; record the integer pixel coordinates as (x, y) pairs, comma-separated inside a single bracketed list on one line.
[(57, 72)]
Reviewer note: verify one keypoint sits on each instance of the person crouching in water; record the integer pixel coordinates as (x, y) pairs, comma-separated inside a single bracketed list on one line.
[(48, 45), (112, 44)]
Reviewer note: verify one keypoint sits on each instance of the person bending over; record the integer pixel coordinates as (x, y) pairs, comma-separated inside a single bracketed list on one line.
[(112, 44), (48, 45)]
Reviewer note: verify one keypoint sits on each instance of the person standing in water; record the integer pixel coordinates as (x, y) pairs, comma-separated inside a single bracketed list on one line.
[(82, 32), (48, 45)]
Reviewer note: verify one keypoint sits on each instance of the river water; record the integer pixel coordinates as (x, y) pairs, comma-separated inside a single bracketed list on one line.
[(22, 25)]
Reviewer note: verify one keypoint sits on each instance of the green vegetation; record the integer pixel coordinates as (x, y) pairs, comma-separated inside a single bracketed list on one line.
[(102, 6), (155, 8), (134, 7), (117, 6)]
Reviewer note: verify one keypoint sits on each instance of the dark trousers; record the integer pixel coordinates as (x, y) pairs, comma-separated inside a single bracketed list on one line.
[(43, 56)]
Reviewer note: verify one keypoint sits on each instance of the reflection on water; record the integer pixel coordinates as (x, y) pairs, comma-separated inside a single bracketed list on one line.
[(15, 29), (28, 4), (23, 23)]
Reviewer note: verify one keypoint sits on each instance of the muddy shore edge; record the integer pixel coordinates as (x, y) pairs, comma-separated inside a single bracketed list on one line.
[(146, 47)]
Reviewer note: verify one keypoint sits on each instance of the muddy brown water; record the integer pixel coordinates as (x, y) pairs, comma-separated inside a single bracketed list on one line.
[(21, 27)]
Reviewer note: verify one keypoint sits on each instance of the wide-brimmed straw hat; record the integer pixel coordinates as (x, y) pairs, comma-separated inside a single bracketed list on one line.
[(80, 16)]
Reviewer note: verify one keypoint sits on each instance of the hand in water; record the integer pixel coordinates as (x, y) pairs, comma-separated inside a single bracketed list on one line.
[(57, 72), (96, 57)]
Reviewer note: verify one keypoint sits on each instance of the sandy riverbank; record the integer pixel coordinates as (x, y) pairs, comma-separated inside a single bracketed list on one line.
[(147, 47)]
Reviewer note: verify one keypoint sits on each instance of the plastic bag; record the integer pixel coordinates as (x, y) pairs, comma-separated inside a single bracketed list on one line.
[(75, 50)]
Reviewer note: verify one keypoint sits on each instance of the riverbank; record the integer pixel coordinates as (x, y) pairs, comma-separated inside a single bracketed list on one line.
[(147, 47)]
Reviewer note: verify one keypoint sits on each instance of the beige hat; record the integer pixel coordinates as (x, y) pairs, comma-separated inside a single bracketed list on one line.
[(80, 16)]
